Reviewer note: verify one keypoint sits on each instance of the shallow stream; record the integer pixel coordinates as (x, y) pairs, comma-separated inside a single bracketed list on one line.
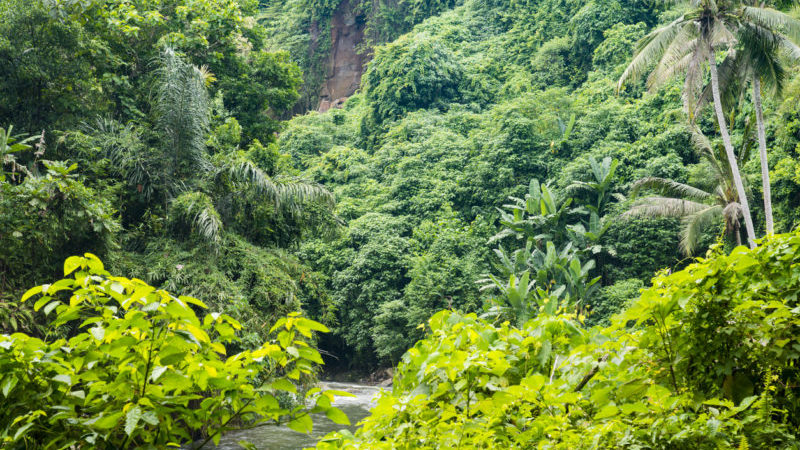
[(282, 438)]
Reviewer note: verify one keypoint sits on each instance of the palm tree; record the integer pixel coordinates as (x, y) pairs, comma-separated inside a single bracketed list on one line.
[(696, 207), (682, 46), (192, 183), (764, 36)]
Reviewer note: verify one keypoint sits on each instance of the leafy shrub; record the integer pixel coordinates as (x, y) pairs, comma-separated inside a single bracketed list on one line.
[(44, 218), (140, 369), (707, 358), (613, 299), (410, 74)]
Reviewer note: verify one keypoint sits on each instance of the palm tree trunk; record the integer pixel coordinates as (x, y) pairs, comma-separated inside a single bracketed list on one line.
[(726, 139), (762, 153)]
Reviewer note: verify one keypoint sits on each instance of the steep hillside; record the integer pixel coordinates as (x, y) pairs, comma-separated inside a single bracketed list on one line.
[(331, 40), (461, 113)]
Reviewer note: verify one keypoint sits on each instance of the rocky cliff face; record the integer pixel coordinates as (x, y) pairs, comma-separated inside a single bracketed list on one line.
[(345, 64)]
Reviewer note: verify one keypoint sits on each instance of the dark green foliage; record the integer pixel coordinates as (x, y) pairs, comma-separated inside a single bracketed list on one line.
[(47, 214), (643, 246), (613, 299), (410, 74), (266, 88), (49, 70)]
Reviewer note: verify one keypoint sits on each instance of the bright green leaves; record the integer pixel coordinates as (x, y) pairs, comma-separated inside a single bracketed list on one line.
[(301, 424), (89, 261), (337, 416), (707, 358), (606, 412), (132, 418), (137, 360)]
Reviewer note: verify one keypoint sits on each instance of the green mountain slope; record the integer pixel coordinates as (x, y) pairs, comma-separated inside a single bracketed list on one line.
[(458, 115)]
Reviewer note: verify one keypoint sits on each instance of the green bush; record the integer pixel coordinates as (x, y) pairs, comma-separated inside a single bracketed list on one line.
[(410, 74), (613, 299), (139, 369), (706, 358)]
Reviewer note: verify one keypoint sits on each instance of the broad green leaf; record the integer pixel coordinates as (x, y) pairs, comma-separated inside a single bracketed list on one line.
[(132, 419), (8, 384), (72, 263), (284, 385), (606, 412), (63, 378), (98, 332), (301, 423), (157, 372), (337, 416), (30, 293)]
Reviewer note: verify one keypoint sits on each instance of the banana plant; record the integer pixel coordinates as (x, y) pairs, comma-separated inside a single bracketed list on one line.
[(603, 173), (542, 215), (588, 238), (9, 146), (553, 279)]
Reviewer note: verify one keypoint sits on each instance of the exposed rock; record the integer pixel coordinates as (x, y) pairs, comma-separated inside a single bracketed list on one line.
[(345, 64)]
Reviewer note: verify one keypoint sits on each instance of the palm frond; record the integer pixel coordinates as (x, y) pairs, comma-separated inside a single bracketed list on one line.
[(774, 20), (695, 223), (181, 109), (665, 72), (125, 147), (650, 50), (284, 191), (197, 210), (676, 57), (664, 207), (730, 72), (668, 187)]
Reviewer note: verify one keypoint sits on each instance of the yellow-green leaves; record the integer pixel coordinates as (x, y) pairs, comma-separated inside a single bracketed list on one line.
[(706, 358), (137, 360)]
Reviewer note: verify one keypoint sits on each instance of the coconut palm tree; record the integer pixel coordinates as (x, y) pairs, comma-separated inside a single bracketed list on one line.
[(697, 208), (766, 37), (681, 47)]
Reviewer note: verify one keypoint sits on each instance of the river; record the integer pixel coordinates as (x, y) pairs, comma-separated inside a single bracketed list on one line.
[(282, 438)]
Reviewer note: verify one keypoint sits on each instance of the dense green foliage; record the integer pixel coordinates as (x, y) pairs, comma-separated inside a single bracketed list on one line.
[(459, 115), (139, 369), (502, 168), (706, 358), (155, 149)]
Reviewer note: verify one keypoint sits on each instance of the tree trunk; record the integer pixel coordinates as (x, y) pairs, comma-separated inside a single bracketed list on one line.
[(762, 153), (726, 139)]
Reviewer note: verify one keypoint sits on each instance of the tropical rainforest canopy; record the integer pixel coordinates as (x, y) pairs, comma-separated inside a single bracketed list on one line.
[(565, 223)]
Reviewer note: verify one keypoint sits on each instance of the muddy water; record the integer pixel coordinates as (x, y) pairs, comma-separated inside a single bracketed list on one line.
[(282, 438)]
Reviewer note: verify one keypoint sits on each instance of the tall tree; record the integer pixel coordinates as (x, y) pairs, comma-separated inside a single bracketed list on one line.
[(681, 46), (697, 207), (762, 38), (765, 38)]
